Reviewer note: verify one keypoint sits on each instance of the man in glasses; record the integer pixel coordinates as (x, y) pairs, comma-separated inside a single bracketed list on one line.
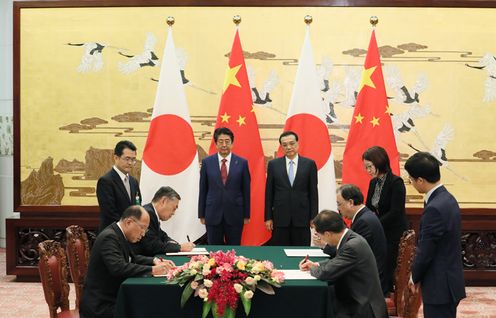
[(117, 189), (112, 261)]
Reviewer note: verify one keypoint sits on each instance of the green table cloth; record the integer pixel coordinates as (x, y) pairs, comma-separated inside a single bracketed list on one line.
[(152, 297)]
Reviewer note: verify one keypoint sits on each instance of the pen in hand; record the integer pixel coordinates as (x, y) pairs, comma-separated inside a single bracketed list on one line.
[(187, 236)]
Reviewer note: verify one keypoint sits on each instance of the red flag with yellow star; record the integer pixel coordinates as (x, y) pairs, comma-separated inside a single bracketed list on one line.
[(371, 123), (236, 113)]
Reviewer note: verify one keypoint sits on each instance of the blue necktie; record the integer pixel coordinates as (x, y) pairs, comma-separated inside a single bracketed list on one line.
[(291, 172)]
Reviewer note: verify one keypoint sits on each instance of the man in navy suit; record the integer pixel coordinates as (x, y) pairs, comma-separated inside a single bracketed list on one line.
[(117, 189), (224, 200), (291, 195), (438, 259)]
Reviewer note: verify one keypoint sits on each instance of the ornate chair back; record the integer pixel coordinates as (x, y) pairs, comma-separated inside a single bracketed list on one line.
[(78, 252), (53, 273), (412, 302), (406, 251)]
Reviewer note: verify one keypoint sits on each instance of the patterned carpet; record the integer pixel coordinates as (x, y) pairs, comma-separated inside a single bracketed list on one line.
[(18, 299)]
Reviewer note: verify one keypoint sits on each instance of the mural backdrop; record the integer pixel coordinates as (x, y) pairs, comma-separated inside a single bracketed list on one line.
[(89, 76)]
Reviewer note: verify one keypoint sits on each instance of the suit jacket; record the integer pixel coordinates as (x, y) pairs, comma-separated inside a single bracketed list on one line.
[(391, 209), (438, 259), (286, 204), (369, 227), (354, 274), (230, 201), (113, 198), (111, 262), (156, 241)]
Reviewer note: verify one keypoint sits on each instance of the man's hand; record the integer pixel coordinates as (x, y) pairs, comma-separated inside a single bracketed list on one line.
[(317, 241), (246, 221), (305, 265), (187, 247), (162, 266), (269, 225), (202, 221), (161, 261)]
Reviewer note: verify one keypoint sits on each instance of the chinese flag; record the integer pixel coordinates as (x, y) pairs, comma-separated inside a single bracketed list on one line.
[(236, 113), (371, 123)]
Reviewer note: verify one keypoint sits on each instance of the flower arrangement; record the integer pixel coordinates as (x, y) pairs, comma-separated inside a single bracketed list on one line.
[(222, 278)]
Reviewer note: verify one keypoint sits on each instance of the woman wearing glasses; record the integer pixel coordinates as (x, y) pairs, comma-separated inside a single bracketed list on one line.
[(386, 196)]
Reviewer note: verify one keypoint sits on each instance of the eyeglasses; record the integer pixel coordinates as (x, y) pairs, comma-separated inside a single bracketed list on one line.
[(129, 159), (142, 227)]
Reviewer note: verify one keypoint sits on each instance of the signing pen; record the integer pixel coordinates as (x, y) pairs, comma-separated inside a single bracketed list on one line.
[(187, 236)]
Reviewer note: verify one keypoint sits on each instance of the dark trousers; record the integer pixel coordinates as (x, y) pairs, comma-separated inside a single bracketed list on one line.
[(224, 234), (442, 310), (290, 236)]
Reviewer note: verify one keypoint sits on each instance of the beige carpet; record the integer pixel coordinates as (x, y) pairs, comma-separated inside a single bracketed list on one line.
[(18, 299)]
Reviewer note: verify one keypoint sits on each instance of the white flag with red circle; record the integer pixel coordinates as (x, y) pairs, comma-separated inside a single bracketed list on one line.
[(170, 155), (306, 117)]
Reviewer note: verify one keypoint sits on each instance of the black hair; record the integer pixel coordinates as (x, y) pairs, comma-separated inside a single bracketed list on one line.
[(121, 145), (423, 165), (288, 133), (379, 158), (223, 131), (351, 192), (328, 221)]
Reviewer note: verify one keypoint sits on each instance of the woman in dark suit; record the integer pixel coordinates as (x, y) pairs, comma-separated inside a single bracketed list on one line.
[(386, 196)]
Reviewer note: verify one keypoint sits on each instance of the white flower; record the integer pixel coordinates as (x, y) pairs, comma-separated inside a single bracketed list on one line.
[(248, 294), (203, 293), (193, 272), (238, 288), (257, 277), (250, 280), (208, 283), (194, 284)]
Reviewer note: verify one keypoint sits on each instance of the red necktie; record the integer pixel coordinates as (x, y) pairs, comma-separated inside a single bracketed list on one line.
[(223, 171)]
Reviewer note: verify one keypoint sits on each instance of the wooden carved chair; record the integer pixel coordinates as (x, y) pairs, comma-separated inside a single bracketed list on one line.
[(412, 301), (53, 274), (78, 252), (406, 251)]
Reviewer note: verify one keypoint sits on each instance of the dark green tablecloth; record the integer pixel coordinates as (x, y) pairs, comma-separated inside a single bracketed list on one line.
[(151, 297)]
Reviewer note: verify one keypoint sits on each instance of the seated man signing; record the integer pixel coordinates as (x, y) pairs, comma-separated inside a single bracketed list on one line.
[(156, 241), (353, 270), (112, 261)]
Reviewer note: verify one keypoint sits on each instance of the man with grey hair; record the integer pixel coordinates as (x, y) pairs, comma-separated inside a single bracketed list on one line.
[(156, 241), (366, 223)]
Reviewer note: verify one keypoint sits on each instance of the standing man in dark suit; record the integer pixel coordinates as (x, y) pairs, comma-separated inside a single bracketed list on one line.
[(117, 190), (353, 270), (112, 261), (224, 200), (291, 195), (163, 206), (364, 222), (437, 265)]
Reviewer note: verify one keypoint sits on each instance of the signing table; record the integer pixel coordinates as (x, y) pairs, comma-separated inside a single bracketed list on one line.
[(151, 297)]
